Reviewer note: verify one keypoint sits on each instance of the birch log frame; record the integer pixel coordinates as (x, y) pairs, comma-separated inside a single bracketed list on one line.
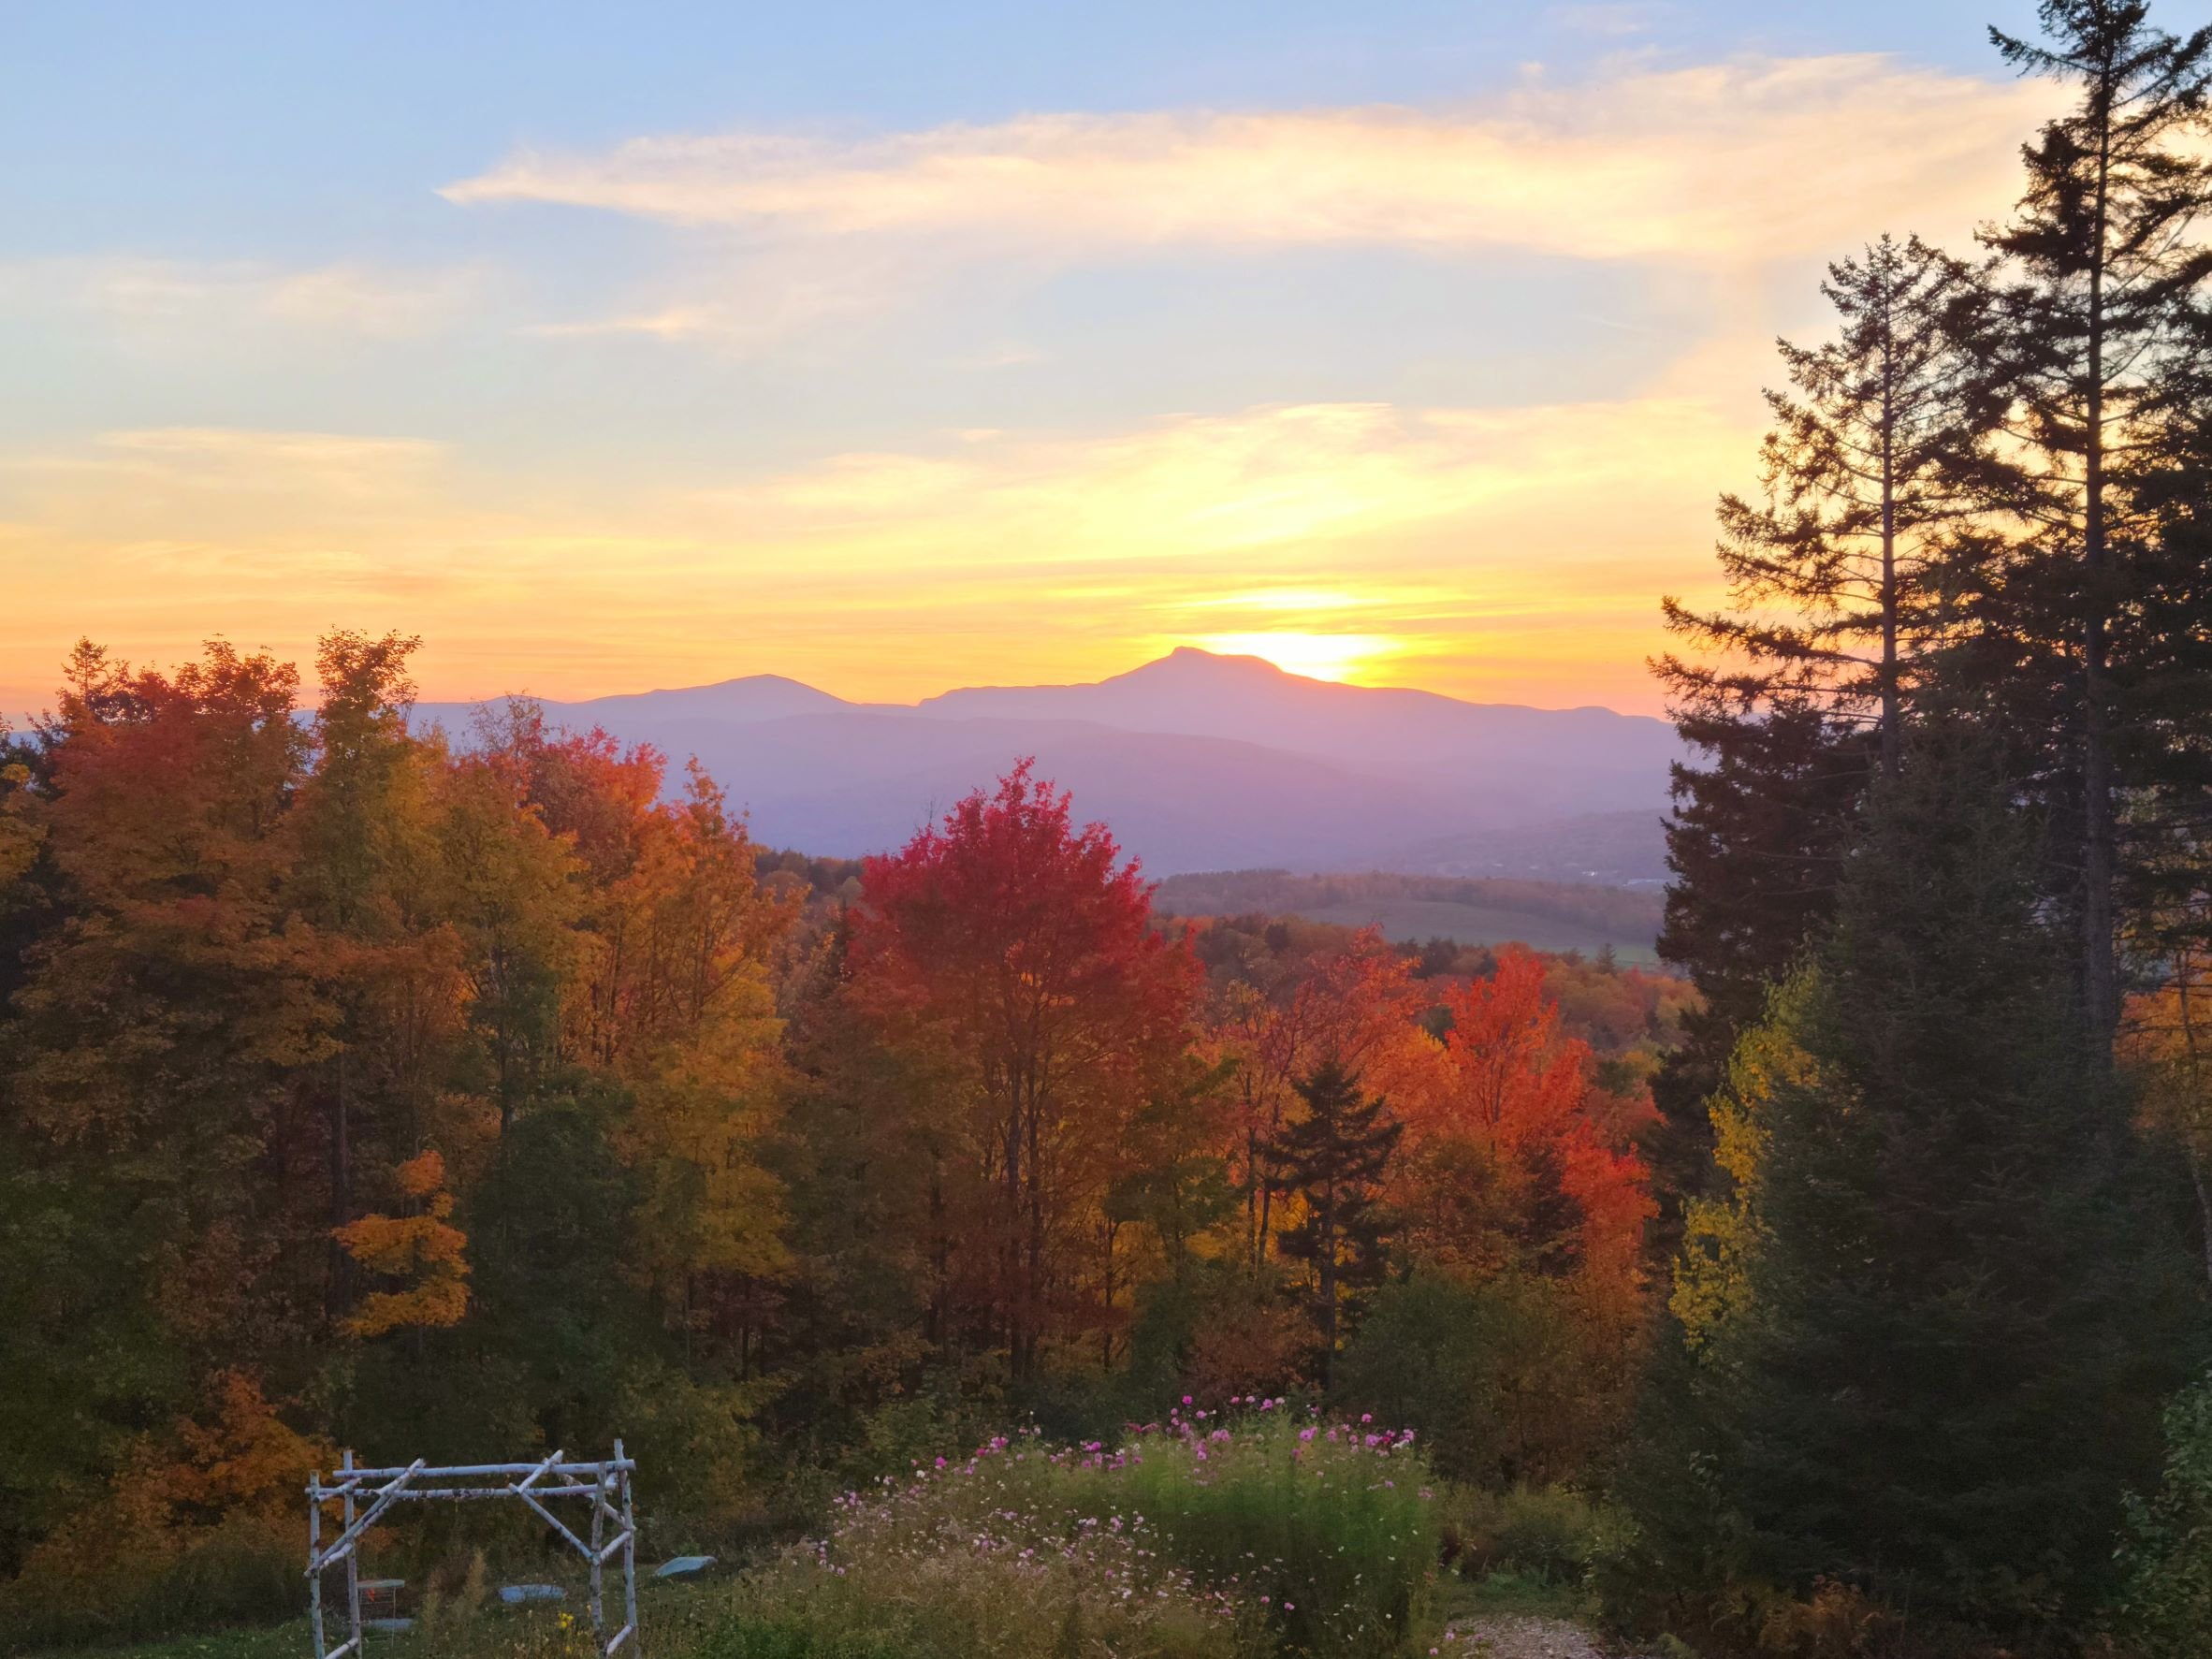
[(606, 1483)]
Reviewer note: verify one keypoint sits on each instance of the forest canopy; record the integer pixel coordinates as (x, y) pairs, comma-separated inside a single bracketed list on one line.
[(437, 1094)]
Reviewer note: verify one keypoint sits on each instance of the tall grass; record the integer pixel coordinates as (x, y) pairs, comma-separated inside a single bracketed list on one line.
[(1329, 1526), (1199, 1535), (991, 1556)]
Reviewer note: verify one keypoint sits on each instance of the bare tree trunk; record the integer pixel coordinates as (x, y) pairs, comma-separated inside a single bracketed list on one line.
[(1033, 1277), (1009, 1247), (338, 1296), (1325, 1238), (1892, 737), (2191, 1132), (933, 1318), (2101, 969), (2196, 1177)]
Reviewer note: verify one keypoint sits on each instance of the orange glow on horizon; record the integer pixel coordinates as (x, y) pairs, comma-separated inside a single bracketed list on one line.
[(1363, 544), (1348, 657)]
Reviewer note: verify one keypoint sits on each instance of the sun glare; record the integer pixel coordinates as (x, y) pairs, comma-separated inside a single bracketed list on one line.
[(1318, 656)]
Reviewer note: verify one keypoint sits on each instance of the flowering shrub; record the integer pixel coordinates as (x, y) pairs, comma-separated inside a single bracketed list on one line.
[(1329, 1526), (985, 1556), (1201, 1536)]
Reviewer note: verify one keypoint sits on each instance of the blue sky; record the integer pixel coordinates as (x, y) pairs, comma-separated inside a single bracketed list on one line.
[(611, 346)]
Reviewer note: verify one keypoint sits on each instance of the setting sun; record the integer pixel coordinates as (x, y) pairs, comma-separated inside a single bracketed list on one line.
[(1318, 656)]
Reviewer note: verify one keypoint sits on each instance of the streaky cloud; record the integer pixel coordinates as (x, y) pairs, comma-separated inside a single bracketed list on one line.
[(1732, 163)]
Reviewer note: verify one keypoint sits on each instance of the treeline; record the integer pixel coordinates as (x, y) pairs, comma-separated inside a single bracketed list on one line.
[(450, 1099), (1942, 879)]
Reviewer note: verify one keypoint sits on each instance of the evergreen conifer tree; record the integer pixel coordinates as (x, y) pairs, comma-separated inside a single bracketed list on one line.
[(1842, 580), (1943, 1367), (1332, 1159), (2100, 339)]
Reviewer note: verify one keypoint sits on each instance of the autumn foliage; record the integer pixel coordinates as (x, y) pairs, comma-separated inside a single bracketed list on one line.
[(457, 1093), (1018, 948), (1518, 1100)]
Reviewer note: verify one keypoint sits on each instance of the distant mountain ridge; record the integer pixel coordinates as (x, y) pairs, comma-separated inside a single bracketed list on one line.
[(1197, 762)]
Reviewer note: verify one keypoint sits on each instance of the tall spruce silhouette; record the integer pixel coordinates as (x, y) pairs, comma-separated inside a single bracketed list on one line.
[(1334, 1159), (2099, 338), (1842, 578), (1837, 575)]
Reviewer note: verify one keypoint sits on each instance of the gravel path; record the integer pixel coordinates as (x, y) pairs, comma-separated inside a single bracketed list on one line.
[(1520, 1637)]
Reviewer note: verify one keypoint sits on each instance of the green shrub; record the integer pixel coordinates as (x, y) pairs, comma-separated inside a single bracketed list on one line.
[(1508, 1380), (245, 1570), (2165, 1606), (1548, 1534), (1329, 1527)]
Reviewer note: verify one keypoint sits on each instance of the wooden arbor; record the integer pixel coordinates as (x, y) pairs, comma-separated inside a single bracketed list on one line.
[(364, 1494)]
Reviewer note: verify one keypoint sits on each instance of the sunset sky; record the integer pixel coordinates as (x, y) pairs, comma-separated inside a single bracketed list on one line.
[(894, 347)]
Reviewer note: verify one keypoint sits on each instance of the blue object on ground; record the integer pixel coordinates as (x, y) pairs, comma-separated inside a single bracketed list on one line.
[(514, 1595), (683, 1566), (390, 1626)]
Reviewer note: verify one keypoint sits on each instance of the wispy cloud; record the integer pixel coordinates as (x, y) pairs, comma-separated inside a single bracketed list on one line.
[(189, 298), (223, 460), (1744, 161), (1310, 478)]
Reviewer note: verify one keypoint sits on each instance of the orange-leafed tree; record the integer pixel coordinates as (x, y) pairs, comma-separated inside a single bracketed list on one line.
[(415, 1254), (222, 1485), (1512, 1159), (1354, 1005), (169, 1012), (1020, 947), (369, 883), (2167, 1044), (20, 830)]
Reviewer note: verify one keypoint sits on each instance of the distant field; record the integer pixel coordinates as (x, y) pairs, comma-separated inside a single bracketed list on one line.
[(1544, 915), (1478, 924)]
